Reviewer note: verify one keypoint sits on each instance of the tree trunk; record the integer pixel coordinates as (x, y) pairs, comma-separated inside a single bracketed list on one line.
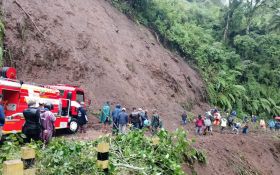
[(226, 29), (249, 20)]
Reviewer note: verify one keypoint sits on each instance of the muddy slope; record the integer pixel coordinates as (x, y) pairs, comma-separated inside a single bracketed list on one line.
[(91, 44), (256, 153)]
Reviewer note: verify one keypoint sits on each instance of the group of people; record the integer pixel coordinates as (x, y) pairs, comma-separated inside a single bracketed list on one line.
[(120, 119), (39, 121), (204, 124), (274, 123)]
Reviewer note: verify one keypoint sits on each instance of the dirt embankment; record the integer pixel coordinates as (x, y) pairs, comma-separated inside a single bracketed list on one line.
[(91, 44), (257, 153)]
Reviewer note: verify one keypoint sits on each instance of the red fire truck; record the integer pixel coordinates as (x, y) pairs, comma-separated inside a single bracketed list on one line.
[(16, 94)]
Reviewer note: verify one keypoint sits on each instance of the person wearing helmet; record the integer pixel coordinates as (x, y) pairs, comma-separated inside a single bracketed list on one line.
[(122, 120), (47, 122), (105, 116), (32, 126), (155, 122), (134, 119), (231, 118), (82, 117), (41, 106), (115, 115), (142, 117)]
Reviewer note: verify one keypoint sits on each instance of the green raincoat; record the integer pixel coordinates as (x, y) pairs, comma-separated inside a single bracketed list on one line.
[(106, 111)]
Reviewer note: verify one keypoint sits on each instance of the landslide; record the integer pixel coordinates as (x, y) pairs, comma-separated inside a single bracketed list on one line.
[(91, 44), (257, 153)]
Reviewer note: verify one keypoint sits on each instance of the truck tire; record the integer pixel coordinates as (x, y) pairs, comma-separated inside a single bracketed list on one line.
[(73, 126)]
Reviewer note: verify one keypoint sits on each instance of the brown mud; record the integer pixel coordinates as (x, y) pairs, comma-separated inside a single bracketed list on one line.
[(91, 44)]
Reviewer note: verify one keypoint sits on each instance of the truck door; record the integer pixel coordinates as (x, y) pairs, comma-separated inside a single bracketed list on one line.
[(69, 98), (13, 111), (10, 101)]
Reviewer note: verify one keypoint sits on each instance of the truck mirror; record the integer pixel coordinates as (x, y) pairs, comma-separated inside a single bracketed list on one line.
[(69, 95)]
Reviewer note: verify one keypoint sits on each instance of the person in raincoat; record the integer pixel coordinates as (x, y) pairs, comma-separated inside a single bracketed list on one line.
[(32, 126), (82, 117), (115, 115), (223, 124), (47, 121), (208, 125), (271, 124), (105, 118), (155, 122)]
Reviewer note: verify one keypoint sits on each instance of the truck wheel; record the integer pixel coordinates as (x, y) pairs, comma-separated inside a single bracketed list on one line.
[(73, 126)]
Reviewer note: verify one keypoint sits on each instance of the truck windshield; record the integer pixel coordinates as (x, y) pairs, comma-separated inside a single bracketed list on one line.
[(80, 96)]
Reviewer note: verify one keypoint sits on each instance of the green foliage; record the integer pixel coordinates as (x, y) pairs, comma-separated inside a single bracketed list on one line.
[(235, 47), (132, 153)]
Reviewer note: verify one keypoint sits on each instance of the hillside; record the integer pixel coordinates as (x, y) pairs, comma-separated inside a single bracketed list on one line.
[(93, 45)]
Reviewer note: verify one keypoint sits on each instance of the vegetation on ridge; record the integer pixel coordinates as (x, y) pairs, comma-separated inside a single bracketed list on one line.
[(235, 46)]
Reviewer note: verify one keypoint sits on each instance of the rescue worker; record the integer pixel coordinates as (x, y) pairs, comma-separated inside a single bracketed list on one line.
[(271, 123), (2, 116), (223, 124), (32, 126), (142, 117), (217, 118), (105, 116), (198, 125), (146, 122), (155, 122), (82, 117), (115, 115), (47, 123), (245, 129), (231, 118), (262, 124), (236, 127), (41, 106), (254, 119), (184, 118), (134, 119), (208, 125), (122, 120)]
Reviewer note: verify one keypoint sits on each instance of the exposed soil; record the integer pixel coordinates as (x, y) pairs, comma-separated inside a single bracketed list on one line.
[(255, 153), (93, 45)]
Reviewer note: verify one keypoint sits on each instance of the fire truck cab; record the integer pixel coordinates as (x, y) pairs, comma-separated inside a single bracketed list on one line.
[(64, 99)]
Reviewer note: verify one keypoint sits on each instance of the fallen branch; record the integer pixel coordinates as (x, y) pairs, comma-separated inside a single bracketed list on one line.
[(130, 167), (157, 38), (17, 3)]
